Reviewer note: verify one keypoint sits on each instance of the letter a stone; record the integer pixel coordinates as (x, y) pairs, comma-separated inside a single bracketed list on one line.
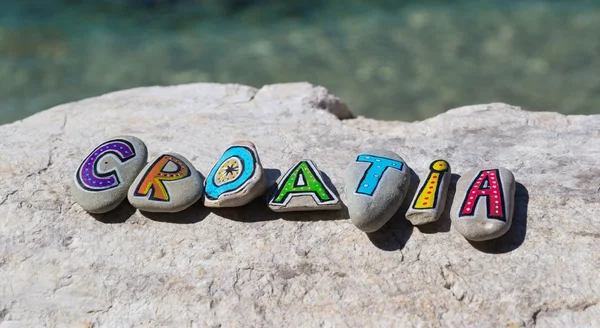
[(302, 189), (483, 206)]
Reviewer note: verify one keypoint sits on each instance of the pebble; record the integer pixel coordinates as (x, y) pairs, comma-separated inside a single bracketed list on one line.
[(484, 202), (430, 199), (376, 183), (302, 188), (101, 181), (237, 178), (169, 183)]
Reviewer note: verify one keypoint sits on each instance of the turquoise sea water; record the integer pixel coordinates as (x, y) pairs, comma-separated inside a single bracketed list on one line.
[(386, 59)]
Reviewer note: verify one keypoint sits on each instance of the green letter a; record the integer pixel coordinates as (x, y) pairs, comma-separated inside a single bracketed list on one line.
[(303, 179)]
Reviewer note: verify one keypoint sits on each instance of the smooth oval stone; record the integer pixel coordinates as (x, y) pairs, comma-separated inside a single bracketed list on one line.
[(430, 199), (376, 184), (237, 178), (302, 188), (169, 183), (484, 203), (101, 181)]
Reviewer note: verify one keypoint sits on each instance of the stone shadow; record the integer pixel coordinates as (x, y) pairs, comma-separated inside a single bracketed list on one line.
[(255, 211), (259, 211), (330, 184), (190, 215), (327, 215), (410, 194), (310, 216), (272, 175), (396, 232), (444, 223), (394, 235), (118, 215), (515, 236), (193, 214)]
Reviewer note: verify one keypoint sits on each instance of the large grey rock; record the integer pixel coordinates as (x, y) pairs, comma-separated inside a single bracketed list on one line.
[(102, 180), (248, 266), (375, 184)]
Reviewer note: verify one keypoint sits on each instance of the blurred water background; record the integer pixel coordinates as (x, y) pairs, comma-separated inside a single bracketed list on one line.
[(387, 59)]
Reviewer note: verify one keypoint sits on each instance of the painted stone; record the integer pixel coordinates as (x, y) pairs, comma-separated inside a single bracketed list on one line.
[(484, 203), (430, 199), (376, 184), (101, 181), (169, 183), (236, 179), (302, 188)]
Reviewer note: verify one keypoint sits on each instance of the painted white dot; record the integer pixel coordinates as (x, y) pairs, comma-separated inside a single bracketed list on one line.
[(496, 201), (468, 208), (376, 175), (470, 197), (377, 160), (378, 166), (495, 192), (365, 185), (468, 203)]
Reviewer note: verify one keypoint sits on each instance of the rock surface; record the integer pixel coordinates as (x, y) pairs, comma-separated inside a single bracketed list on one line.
[(248, 266)]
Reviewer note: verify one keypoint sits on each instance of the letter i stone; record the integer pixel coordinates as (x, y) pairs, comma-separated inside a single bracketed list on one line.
[(430, 199)]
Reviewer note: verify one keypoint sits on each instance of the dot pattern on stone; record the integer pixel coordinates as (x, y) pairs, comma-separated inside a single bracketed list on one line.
[(486, 184), (378, 166), (152, 182), (430, 192), (302, 179), (88, 176)]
